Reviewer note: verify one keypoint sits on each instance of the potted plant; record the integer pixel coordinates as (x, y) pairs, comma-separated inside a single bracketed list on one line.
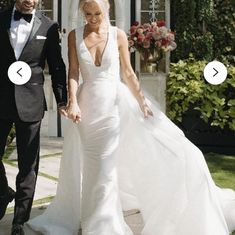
[(151, 40)]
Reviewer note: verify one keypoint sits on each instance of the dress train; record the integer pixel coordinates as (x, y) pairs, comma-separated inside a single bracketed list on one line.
[(116, 160)]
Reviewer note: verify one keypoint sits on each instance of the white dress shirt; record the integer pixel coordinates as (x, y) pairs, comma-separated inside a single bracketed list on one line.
[(19, 33)]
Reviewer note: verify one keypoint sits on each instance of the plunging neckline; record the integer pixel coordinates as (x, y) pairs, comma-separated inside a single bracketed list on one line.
[(103, 52)]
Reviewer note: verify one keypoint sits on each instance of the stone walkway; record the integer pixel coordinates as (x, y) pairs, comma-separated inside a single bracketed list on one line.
[(51, 150)]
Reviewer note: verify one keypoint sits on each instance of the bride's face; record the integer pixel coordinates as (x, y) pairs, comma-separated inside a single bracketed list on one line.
[(93, 14)]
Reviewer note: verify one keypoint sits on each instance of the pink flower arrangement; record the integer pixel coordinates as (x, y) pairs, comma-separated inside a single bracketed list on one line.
[(149, 37)]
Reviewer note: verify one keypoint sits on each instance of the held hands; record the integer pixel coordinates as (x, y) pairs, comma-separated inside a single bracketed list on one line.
[(63, 111), (71, 111), (74, 112), (146, 110)]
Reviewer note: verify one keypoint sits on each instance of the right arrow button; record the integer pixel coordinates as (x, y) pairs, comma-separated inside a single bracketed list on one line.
[(215, 72)]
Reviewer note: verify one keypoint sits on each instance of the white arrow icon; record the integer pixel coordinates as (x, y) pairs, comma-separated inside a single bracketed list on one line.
[(19, 72), (215, 72)]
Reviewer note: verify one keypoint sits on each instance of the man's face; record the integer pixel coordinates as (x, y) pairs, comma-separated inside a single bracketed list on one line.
[(26, 6)]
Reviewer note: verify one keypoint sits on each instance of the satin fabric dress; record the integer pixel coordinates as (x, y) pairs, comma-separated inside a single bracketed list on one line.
[(116, 160)]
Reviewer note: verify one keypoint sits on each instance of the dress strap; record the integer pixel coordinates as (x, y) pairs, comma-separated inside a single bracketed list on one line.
[(79, 34), (113, 30)]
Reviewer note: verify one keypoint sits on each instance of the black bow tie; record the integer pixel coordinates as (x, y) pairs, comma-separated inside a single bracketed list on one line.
[(18, 15)]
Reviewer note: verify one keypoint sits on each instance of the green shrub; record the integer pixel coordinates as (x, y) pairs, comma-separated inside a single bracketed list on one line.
[(222, 27), (187, 88), (204, 28), (183, 22)]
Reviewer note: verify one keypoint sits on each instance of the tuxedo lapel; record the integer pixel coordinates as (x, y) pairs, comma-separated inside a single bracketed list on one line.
[(36, 25)]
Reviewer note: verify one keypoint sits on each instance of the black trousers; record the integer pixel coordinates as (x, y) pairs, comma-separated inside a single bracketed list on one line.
[(28, 142)]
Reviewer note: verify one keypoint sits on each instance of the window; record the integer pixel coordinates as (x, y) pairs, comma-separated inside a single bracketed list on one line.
[(146, 11), (46, 7), (145, 14)]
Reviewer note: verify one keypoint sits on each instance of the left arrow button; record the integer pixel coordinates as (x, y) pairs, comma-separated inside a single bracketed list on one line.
[(19, 72)]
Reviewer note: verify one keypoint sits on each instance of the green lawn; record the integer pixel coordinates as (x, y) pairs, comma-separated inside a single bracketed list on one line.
[(222, 169)]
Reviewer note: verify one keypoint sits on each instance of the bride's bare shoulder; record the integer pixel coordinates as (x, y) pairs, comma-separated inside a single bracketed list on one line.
[(121, 34), (71, 34), (72, 37)]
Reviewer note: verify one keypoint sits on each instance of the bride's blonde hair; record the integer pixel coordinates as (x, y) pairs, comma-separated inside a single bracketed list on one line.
[(103, 4)]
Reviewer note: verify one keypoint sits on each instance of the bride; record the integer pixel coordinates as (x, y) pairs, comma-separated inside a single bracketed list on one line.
[(117, 158)]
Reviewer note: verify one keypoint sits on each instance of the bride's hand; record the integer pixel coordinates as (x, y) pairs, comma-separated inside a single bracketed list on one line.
[(74, 112), (146, 110)]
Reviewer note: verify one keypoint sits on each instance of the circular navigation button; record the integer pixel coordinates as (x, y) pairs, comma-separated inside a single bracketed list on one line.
[(215, 72), (19, 72)]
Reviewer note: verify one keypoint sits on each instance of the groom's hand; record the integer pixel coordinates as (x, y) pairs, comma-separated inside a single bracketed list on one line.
[(63, 110)]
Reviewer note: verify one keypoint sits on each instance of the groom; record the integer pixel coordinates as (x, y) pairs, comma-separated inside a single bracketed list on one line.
[(26, 35)]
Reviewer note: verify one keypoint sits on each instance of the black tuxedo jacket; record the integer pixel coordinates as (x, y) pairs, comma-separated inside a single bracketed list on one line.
[(28, 101)]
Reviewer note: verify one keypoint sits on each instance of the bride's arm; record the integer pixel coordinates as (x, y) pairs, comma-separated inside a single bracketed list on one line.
[(73, 79), (128, 75)]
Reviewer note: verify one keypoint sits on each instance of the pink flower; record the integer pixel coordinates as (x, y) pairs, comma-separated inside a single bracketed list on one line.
[(152, 36), (136, 23), (153, 24), (149, 36), (161, 23), (141, 38), (140, 30), (171, 36), (133, 29), (155, 28), (163, 31), (156, 35), (147, 26), (172, 46), (158, 44), (146, 43), (131, 43), (165, 42)]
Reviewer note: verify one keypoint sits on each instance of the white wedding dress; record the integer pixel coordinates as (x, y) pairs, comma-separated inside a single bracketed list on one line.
[(116, 160)]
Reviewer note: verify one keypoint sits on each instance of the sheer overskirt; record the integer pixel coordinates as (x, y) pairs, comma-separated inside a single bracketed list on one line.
[(116, 160), (160, 172)]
